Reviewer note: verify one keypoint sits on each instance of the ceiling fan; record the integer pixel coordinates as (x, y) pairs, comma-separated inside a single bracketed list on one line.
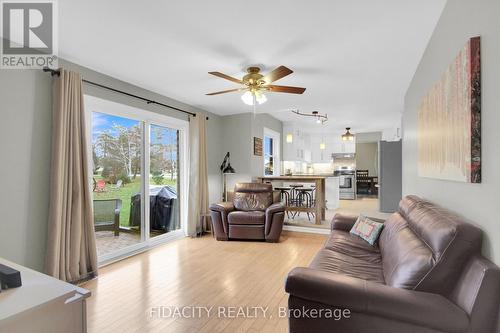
[(254, 84)]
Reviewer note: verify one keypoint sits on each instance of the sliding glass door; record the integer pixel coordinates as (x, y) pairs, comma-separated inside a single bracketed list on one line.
[(138, 177), (116, 181), (163, 180)]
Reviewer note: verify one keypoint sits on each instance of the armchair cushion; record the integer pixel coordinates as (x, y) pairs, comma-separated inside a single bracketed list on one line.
[(423, 309), (252, 196), (252, 217)]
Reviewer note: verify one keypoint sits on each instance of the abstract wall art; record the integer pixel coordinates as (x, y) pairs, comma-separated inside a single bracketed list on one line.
[(449, 121)]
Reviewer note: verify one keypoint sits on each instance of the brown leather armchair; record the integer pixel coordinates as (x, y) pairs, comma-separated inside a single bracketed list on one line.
[(251, 214)]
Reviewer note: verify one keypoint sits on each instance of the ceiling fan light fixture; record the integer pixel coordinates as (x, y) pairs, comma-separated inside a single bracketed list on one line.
[(347, 136), (260, 97), (247, 98)]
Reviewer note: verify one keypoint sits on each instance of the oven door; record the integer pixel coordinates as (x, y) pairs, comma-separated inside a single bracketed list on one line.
[(345, 182)]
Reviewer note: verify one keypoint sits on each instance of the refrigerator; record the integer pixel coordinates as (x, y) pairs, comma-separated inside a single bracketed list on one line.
[(390, 175)]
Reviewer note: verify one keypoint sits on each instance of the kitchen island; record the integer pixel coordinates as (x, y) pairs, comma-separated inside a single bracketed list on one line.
[(319, 181)]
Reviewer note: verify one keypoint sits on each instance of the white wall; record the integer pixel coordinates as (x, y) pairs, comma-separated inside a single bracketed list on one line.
[(461, 19), (25, 135)]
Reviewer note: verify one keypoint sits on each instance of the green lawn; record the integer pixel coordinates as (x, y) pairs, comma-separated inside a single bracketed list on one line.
[(125, 193)]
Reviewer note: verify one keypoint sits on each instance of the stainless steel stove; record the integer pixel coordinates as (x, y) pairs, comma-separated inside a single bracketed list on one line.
[(347, 184)]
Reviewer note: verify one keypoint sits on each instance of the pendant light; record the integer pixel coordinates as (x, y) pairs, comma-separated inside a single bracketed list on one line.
[(347, 136)]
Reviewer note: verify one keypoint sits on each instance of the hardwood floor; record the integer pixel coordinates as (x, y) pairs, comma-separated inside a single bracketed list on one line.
[(199, 272)]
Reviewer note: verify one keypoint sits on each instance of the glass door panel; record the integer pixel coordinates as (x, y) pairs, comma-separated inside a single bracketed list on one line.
[(116, 182), (164, 179), (268, 156)]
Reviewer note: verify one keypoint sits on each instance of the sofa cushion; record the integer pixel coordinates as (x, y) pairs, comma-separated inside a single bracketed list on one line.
[(252, 196), (349, 255), (406, 258), (251, 217), (423, 245)]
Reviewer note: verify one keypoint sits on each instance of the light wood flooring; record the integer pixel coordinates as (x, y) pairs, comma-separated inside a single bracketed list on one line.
[(198, 272), (362, 205)]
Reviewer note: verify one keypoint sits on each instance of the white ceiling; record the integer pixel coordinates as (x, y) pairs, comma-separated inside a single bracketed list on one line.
[(356, 58)]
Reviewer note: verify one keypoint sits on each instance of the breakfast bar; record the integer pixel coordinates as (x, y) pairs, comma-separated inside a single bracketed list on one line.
[(319, 181)]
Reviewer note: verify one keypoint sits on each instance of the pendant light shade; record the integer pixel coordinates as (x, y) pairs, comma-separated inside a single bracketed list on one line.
[(347, 136)]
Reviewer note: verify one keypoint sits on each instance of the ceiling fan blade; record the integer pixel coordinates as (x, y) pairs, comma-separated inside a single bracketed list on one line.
[(286, 89), (277, 74), (223, 92), (227, 77)]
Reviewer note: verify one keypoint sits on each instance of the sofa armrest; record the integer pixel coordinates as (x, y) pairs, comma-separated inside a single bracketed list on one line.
[(222, 207), (360, 296), (219, 213), (343, 222)]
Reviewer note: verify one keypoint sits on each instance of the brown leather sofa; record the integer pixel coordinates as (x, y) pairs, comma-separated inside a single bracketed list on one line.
[(425, 275), (251, 215)]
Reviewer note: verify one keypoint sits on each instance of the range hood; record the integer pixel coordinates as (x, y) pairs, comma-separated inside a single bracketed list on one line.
[(343, 156)]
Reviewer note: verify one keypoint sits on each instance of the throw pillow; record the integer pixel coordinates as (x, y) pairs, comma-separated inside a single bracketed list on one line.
[(367, 229)]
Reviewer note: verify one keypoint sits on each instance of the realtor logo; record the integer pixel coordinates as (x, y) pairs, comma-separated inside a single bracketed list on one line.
[(28, 34)]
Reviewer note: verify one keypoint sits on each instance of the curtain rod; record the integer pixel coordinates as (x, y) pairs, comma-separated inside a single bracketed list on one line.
[(148, 101)]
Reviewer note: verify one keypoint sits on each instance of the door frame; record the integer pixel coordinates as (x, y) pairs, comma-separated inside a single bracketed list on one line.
[(147, 118)]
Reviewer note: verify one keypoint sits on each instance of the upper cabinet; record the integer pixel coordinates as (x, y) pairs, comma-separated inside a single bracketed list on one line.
[(313, 148), (296, 144)]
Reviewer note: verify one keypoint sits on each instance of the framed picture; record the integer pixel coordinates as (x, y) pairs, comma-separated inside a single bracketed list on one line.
[(449, 121), (257, 146)]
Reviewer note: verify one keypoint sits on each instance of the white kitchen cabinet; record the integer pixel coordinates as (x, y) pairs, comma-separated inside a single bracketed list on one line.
[(332, 192), (306, 147), (42, 304), (300, 147)]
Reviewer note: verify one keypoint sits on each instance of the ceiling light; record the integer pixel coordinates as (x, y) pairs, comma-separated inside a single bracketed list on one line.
[(347, 136), (320, 118), (322, 146), (247, 98), (289, 138), (260, 97)]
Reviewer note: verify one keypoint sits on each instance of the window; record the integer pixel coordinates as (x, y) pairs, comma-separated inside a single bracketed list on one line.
[(136, 157), (271, 153), (268, 156)]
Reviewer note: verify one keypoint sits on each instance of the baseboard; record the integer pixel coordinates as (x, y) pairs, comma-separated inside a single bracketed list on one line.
[(322, 231)]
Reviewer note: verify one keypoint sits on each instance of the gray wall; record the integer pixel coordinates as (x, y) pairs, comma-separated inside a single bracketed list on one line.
[(25, 134), (367, 157), (461, 19), (238, 133)]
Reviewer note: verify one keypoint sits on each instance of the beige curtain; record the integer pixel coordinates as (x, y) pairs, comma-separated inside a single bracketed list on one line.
[(71, 248), (198, 174)]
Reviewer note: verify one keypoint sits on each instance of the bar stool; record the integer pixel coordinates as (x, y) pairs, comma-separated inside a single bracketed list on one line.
[(284, 193), (294, 197), (306, 199), (294, 193)]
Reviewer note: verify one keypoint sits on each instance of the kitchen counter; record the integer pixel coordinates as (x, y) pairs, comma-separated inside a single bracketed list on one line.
[(319, 181), (293, 177)]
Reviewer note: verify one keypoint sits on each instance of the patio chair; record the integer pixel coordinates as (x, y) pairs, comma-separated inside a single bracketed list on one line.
[(107, 215), (100, 186), (119, 184)]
